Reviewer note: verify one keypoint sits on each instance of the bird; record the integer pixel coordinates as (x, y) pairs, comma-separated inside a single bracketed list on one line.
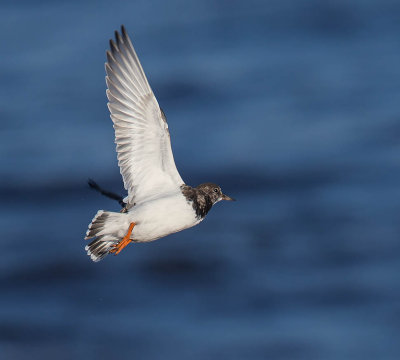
[(158, 201)]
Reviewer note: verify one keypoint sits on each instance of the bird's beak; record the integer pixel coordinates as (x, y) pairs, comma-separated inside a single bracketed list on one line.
[(226, 197)]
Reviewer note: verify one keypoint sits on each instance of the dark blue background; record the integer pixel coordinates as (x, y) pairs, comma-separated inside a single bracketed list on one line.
[(292, 106)]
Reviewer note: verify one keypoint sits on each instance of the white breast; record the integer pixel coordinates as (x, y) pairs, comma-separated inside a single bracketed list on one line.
[(161, 217)]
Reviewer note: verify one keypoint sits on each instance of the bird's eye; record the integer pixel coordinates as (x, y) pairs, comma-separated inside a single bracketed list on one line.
[(215, 190)]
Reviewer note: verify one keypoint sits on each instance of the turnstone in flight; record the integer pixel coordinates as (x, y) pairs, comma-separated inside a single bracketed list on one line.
[(159, 203)]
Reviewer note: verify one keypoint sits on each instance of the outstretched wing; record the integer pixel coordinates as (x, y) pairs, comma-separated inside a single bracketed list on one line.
[(141, 131)]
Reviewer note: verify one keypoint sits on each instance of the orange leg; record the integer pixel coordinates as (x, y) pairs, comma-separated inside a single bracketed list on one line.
[(124, 242)]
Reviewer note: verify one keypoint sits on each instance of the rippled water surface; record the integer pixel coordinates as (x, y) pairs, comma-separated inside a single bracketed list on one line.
[(292, 107)]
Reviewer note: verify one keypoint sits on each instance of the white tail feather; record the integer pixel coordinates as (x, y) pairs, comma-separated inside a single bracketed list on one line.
[(107, 229)]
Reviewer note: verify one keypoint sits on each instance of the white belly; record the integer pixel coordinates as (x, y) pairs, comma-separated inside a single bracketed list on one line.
[(161, 217)]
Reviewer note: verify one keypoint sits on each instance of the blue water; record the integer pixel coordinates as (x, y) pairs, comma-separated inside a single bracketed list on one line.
[(292, 107)]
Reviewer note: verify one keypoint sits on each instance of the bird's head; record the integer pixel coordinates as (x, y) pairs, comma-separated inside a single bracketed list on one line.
[(214, 192)]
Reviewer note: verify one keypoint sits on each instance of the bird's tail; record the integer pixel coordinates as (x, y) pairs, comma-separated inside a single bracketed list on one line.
[(105, 228)]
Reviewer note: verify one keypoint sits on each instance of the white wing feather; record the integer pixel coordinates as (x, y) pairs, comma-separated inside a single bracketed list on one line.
[(141, 131)]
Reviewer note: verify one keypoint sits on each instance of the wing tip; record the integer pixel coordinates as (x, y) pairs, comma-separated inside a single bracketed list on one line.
[(110, 58), (123, 31), (118, 39), (113, 46)]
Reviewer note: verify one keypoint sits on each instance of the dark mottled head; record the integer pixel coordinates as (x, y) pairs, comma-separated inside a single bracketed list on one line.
[(203, 197), (214, 192)]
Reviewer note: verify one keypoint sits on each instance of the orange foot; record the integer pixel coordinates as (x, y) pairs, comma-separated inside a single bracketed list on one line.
[(125, 241)]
